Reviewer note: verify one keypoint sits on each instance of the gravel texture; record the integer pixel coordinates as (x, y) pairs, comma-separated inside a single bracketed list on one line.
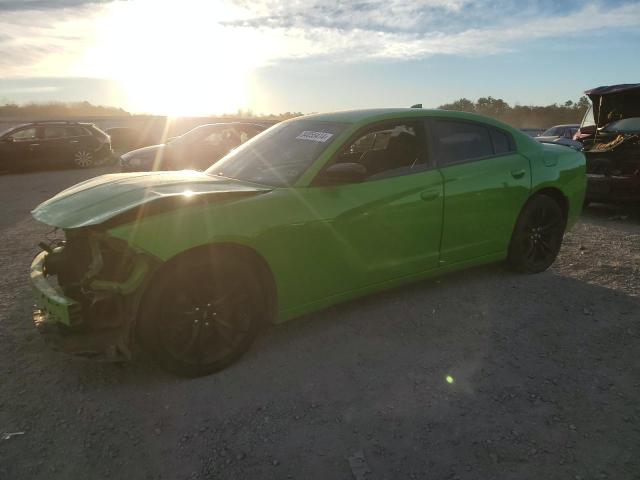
[(476, 375)]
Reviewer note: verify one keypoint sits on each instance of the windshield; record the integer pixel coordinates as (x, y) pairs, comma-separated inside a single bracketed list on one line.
[(626, 125), (553, 132), (280, 155)]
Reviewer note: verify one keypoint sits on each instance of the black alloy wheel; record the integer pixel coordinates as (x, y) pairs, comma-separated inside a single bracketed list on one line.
[(538, 234), (201, 317)]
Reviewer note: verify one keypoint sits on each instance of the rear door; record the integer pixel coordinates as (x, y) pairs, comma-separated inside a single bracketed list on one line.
[(486, 183), (55, 149)]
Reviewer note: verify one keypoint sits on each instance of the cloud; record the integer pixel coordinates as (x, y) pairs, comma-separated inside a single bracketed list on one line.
[(392, 29), (34, 42), (58, 37), (39, 5)]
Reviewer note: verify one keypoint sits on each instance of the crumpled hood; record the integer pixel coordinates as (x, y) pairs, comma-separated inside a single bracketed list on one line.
[(101, 198)]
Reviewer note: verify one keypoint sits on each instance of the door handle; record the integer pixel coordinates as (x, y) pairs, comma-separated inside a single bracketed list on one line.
[(429, 195), (34, 144), (518, 173), (74, 141)]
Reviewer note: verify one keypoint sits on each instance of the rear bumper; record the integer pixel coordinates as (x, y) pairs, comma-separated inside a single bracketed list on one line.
[(613, 188)]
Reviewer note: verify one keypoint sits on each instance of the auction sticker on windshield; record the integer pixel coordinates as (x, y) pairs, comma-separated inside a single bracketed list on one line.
[(315, 136)]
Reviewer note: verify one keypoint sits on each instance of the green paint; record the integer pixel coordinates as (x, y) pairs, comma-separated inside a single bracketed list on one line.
[(328, 244)]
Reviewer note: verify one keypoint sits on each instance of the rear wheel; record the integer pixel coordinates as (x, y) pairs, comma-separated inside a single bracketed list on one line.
[(538, 234), (83, 158), (201, 316)]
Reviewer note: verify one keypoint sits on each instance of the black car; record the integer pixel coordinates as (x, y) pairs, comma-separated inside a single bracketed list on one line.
[(53, 145), (125, 139), (197, 149)]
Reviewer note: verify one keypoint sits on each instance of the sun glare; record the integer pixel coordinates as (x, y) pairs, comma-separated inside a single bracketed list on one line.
[(174, 58)]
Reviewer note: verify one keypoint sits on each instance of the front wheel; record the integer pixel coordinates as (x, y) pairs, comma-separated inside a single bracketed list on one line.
[(537, 237), (201, 316)]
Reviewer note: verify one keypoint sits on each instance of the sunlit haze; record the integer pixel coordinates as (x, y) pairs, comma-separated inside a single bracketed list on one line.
[(195, 57)]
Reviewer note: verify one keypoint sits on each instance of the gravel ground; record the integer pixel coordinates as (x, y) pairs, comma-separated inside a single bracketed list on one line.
[(481, 374)]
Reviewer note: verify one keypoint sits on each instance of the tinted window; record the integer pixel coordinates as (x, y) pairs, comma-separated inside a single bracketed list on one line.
[(26, 134), (501, 142), (387, 151), (461, 141), (75, 131), (55, 131), (553, 132)]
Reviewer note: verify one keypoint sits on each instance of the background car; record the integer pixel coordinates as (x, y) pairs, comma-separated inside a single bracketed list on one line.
[(53, 145), (610, 132), (315, 210), (532, 132), (561, 135), (125, 139), (197, 149)]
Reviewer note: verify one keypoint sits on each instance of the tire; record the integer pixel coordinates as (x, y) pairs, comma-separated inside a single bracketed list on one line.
[(201, 315), (537, 236), (83, 158)]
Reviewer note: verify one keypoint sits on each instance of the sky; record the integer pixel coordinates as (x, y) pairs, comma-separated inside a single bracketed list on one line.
[(197, 57)]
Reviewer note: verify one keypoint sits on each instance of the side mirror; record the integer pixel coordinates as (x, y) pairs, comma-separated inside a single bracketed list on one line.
[(344, 173), (9, 140)]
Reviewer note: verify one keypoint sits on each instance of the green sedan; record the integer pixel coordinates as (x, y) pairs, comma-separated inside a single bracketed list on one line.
[(316, 210)]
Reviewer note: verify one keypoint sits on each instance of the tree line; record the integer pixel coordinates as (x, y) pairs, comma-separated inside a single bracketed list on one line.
[(520, 116), (523, 116), (58, 109)]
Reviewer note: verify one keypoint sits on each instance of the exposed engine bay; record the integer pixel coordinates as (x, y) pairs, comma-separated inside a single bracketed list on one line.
[(99, 274)]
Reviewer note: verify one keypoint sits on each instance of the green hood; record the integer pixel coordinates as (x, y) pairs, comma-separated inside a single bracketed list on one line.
[(99, 199)]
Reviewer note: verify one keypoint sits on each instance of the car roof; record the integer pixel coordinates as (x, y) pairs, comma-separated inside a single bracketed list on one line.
[(53, 122), (380, 114)]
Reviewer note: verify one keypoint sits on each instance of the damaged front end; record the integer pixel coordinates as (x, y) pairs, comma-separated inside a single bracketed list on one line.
[(87, 291)]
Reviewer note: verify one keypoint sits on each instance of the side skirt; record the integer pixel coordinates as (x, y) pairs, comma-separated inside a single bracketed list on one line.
[(291, 313)]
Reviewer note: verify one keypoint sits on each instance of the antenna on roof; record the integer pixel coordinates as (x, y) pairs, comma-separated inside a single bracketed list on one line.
[(417, 105)]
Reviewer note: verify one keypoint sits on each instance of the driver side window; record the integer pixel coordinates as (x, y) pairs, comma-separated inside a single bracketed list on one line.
[(387, 151), (25, 134)]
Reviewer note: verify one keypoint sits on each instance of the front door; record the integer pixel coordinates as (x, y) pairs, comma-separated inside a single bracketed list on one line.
[(18, 149), (360, 234)]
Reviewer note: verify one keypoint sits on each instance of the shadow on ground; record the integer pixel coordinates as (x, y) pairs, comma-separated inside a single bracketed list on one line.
[(482, 374)]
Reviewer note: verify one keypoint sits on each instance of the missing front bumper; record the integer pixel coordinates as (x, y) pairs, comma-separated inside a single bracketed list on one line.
[(83, 329)]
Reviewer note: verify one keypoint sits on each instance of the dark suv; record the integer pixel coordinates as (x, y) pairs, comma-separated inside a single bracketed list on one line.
[(53, 145)]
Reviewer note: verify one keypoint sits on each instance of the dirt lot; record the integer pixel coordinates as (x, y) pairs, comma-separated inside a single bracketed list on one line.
[(545, 374)]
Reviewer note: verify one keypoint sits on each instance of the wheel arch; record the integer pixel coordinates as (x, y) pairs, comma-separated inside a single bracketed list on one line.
[(243, 253), (557, 195)]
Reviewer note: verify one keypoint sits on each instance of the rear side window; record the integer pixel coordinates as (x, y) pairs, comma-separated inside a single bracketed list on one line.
[(55, 131), (457, 142), (501, 142), (75, 131)]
